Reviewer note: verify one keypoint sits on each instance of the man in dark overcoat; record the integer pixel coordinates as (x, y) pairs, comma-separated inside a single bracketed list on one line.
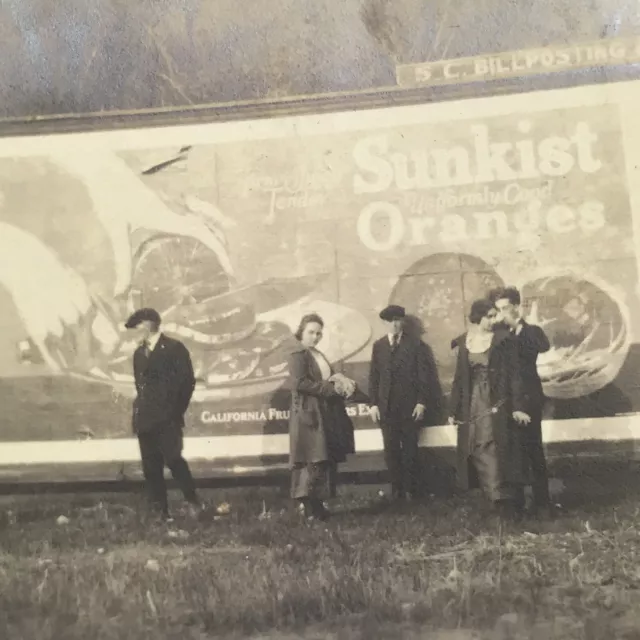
[(531, 341), (165, 382), (399, 380)]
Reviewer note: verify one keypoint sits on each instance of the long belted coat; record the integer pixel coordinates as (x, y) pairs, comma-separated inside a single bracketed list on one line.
[(505, 383), (319, 428)]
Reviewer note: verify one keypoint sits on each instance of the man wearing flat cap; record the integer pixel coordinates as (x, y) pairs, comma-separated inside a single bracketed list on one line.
[(398, 386), (164, 383)]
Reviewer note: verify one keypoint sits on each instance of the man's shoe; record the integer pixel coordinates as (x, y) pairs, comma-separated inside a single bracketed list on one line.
[(507, 511), (319, 510), (162, 518), (544, 512), (157, 515)]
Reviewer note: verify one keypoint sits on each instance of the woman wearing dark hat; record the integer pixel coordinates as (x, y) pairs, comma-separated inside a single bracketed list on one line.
[(486, 403), (320, 432)]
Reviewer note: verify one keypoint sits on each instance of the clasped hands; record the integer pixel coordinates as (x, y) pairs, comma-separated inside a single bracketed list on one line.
[(343, 385)]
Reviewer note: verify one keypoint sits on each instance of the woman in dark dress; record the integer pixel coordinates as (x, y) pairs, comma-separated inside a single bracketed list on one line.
[(320, 432), (487, 403)]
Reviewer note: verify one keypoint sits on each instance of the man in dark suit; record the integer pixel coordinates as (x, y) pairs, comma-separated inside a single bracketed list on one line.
[(398, 388), (532, 341), (164, 383)]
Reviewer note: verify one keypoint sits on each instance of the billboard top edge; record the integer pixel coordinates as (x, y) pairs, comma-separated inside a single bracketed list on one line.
[(381, 97)]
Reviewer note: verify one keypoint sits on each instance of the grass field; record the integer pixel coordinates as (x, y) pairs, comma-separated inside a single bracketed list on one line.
[(443, 569)]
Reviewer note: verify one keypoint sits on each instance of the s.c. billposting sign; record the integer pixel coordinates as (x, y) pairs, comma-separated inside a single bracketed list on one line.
[(234, 231), (609, 52)]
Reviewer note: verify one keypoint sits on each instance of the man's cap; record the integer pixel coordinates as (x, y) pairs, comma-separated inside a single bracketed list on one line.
[(140, 316), (392, 312)]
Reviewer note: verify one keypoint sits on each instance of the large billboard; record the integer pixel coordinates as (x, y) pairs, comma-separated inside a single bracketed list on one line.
[(234, 231)]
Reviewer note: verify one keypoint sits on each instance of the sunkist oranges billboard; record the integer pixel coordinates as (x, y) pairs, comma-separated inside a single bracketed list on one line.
[(233, 231)]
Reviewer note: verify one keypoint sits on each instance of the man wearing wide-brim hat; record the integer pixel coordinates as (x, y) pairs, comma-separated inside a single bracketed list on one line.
[(165, 382), (399, 380)]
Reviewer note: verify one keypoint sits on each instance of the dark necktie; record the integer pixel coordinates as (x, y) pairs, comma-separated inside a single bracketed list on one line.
[(394, 342), (146, 348)]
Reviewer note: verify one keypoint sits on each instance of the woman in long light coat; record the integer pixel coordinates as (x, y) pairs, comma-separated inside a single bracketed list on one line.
[(320, 431)]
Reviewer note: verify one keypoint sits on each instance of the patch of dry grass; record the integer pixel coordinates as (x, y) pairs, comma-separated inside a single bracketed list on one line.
[(438, 570)]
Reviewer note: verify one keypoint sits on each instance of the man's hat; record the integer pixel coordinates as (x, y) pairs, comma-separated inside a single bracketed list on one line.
[(140, 316), (392, 312)]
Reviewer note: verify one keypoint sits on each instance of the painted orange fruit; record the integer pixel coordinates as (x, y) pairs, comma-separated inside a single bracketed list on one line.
[(588, 326), (438, 290)]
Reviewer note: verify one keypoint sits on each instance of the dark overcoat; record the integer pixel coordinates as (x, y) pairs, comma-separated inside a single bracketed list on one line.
[(505, 383), (164, 383), (532, 341), (409, 373), (319, 428)]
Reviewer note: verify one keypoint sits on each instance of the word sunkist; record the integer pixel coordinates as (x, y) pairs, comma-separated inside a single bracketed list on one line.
[(480, 160), (485, 158)]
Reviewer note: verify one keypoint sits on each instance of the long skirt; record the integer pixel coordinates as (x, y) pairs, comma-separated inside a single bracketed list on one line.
[(314, 480), (484, 461)]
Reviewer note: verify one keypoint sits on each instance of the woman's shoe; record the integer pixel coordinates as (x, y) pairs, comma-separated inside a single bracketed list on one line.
[(319, 510), (303, 508)]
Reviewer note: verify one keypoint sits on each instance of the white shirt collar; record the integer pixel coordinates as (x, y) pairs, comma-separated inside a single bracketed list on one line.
[(152, 340), (322, 362), (391, 337)]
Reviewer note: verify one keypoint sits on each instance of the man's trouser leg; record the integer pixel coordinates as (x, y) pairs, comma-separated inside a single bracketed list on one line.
[(172, 444), (153, 470), (392, 440), (410, 435), (534, 450)]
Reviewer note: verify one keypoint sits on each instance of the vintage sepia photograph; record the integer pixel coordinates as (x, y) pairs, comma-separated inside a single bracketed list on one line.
[(352, 359)]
